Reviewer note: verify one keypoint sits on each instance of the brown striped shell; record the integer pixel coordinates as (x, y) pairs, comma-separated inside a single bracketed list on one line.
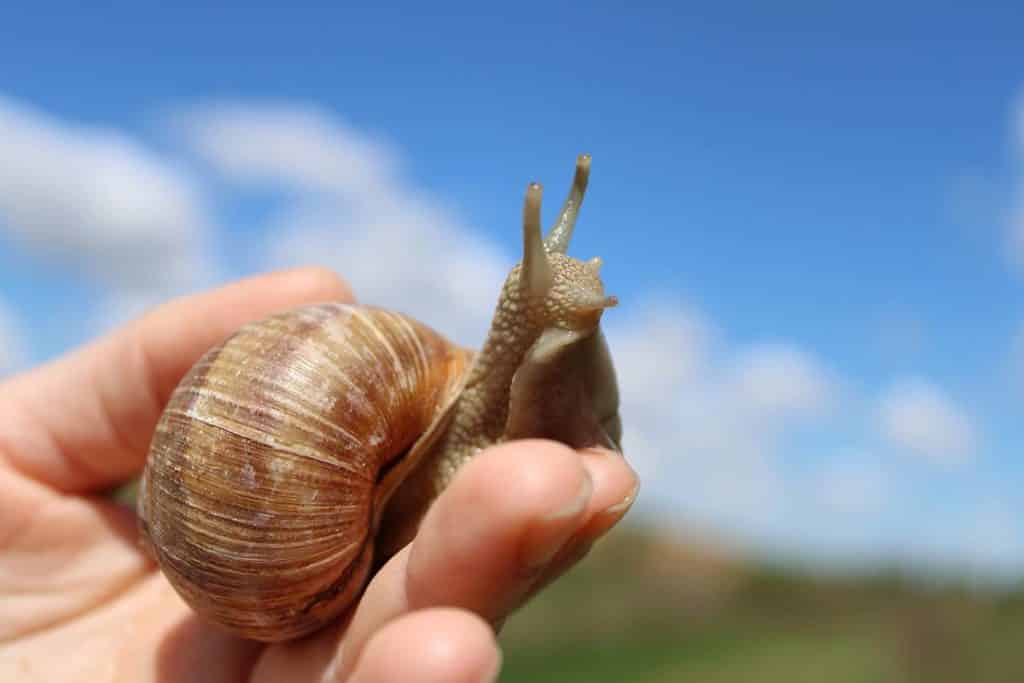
[(308, 446), (315, 410)]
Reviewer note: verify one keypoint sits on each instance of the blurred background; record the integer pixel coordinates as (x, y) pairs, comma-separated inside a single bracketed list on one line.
[(812, 213)]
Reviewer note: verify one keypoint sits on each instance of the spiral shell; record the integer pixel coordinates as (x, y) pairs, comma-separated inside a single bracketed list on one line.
[(316, 409)]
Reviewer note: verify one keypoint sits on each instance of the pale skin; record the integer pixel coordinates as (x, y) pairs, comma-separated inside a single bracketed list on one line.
[(80, 601)]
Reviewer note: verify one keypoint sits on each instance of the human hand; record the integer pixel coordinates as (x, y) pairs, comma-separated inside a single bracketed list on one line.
[(79, 600)]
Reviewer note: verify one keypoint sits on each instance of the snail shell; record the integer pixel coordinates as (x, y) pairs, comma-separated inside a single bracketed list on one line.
[(307, 446), (267, 461)]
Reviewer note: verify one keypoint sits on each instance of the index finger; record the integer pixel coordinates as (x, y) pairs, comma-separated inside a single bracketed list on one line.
[(84, 421)]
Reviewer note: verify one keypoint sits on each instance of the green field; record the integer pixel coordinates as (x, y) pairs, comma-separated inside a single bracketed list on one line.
[(642, 608)]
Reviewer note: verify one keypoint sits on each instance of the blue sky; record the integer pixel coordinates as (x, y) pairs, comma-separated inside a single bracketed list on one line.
[(807, 211)]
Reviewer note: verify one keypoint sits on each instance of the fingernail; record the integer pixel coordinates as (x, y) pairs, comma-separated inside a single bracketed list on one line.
[(575, 506), (555, 528), (610, 516), (622, 507)]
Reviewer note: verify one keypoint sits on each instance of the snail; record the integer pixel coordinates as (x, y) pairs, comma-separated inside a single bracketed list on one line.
[(296, 456)]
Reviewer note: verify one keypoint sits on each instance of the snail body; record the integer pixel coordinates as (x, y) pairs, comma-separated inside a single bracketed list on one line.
[(307, 447)]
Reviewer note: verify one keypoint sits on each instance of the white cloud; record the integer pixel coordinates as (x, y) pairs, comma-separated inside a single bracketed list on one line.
[(778, 380), (100, 202), (356, 214), (984, 540), (409, 257), (853, 484), (286, 144), (703, 420), (661, 330), (918, 416), (96, 198), (996, 539), (13, 351)]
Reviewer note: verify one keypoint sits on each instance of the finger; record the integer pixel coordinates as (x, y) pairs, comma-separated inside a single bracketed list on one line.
[(84, 422), (489, 537), (596, 526), (150, 634), (485, 543), (60, 556), (305, 659), (439, 645)]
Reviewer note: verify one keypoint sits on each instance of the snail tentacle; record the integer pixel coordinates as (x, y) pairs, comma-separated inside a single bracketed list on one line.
[(561, 231), (536, 272)]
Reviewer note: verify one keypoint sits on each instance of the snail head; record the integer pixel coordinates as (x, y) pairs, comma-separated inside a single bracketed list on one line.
[(571, 290)]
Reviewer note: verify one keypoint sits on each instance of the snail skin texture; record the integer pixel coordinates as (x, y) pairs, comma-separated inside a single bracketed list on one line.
[(303, 451)]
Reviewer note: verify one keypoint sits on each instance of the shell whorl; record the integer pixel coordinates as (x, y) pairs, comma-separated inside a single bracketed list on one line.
[(311, 408)]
